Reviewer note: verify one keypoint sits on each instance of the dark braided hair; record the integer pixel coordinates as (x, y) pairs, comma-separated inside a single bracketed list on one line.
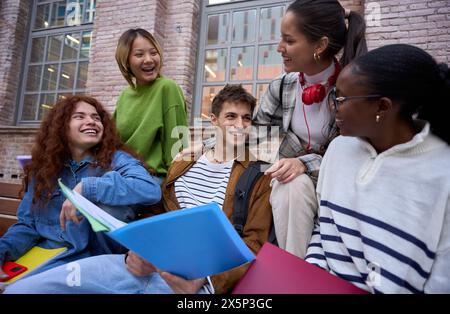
[(412, 78), (319, 18)]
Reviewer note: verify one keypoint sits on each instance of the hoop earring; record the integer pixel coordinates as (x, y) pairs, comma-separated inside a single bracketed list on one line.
[(377, 118)]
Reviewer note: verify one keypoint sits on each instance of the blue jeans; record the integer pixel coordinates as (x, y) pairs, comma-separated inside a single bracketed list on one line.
[(97, 274)]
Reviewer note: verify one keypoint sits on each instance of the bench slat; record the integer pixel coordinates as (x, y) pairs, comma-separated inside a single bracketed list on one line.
[(5, 223), (10, 189), (9, 201), (8, 206)]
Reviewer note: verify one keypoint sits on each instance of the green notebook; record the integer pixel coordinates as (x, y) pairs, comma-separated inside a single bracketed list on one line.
[(98, 218)]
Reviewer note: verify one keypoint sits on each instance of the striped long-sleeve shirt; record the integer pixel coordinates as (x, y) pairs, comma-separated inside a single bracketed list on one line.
[(204, 183), (384, 219)]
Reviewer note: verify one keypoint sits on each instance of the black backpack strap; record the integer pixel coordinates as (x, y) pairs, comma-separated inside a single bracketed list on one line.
[(242, 194), (272, 236), (281, 90)]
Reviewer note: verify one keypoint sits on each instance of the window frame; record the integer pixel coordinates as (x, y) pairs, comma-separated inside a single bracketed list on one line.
[(230, 8), (48, 33)]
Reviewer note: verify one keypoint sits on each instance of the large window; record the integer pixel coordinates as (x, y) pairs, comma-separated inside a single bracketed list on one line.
[(57, 56), (238, 44)]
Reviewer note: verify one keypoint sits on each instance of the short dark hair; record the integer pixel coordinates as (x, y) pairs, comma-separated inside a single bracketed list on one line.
[(232, 93)]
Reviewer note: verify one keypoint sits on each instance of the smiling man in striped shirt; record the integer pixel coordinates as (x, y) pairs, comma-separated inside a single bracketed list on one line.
[(213, 178)]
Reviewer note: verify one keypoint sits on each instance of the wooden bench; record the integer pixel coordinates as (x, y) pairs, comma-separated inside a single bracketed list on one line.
[(9, 201)]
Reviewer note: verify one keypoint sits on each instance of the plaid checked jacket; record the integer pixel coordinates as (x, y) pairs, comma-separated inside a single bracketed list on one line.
[(271, 112)]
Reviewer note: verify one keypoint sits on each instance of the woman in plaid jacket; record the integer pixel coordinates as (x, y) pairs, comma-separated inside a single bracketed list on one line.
[(312, 34)]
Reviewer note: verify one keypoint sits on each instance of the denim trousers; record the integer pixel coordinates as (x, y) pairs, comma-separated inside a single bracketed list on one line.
[(102, 274)]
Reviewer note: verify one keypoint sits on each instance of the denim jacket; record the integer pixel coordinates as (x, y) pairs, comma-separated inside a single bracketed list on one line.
[(127, 183)]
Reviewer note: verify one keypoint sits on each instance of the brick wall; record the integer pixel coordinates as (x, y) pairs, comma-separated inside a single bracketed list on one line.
[(13, 141), (174, 24), (180, 45), (354, 5), (425, 24), (113, 17), (14, 16)]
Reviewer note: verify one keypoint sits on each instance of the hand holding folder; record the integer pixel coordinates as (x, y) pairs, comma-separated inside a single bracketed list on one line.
[(191, 243)]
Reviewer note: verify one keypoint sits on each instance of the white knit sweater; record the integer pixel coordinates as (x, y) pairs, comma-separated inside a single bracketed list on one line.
[(384, 219)]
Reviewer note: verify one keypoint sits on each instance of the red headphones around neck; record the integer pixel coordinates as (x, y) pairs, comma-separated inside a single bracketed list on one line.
[(316, 93)]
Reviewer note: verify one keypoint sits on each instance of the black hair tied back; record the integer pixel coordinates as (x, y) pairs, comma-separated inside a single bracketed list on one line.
[(433, 112), (444, 73)]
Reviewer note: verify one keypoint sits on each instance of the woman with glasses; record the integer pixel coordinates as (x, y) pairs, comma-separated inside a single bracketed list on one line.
[(312, 34), (384, 184)]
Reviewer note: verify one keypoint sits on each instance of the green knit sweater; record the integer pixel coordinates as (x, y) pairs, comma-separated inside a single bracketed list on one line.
[(145, 118)]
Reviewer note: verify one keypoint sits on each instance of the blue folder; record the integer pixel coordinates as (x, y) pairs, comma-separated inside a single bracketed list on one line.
[(191, 243)]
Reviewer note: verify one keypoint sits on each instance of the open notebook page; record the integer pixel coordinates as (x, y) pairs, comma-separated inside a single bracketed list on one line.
[(99, 219)]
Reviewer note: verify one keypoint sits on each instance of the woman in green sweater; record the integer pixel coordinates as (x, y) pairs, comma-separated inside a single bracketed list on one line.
[(152, 106)]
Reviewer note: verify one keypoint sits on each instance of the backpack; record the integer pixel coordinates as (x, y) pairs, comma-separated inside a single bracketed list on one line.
[(244, 190), (242, 195)]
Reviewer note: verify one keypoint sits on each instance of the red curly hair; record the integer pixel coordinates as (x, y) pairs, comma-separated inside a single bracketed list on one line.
[(50, 152)]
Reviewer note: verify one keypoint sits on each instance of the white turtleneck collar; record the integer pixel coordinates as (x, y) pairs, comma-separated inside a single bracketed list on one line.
[(320, 77), (420, 143)]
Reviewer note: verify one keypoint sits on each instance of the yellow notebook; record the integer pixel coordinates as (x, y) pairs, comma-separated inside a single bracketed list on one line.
[(36, 257)]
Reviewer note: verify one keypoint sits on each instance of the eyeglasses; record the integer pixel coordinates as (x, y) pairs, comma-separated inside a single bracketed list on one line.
[(335, 102)]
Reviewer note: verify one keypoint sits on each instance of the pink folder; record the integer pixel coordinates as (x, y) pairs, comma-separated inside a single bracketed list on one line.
[(277, 271)]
